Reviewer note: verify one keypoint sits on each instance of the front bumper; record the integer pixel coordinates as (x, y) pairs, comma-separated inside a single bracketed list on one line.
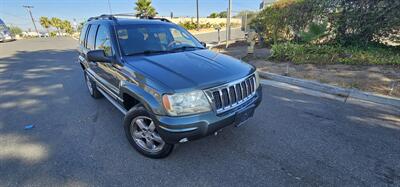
[(174, 129)]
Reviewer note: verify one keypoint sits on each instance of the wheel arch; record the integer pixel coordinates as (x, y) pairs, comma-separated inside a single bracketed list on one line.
[(133, 95)]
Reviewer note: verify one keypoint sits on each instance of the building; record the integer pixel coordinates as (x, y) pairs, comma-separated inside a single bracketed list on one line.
[(265, 3)]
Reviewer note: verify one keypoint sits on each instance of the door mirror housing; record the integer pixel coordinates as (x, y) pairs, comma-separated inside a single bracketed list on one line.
[(97, 56), (204, 44)]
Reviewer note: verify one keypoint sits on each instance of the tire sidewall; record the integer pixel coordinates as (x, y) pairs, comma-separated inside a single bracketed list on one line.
[(95, 93), (141, 111)]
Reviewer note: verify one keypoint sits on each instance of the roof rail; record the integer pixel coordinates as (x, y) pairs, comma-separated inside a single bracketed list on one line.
[(113, 17), (103, 16), (161, 19)]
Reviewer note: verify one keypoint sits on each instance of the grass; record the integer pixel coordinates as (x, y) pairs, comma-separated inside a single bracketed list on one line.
[(331, 54)]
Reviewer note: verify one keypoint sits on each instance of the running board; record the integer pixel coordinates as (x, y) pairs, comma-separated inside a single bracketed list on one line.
[(120, 108)]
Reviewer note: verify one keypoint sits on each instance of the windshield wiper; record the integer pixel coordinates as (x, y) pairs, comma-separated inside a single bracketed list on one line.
[(186, 47), (147, 52)]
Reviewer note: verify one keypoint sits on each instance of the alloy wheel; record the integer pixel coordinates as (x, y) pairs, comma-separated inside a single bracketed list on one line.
[(145, 135), (89, 84)]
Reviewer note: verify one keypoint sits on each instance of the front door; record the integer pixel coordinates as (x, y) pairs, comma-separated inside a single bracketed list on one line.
[(107, 71)]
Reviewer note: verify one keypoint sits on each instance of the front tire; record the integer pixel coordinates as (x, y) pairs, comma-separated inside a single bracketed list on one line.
[(142, 134), (91, 85)]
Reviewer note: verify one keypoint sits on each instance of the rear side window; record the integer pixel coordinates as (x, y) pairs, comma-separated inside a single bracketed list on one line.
[(91, 37), (82, 35)]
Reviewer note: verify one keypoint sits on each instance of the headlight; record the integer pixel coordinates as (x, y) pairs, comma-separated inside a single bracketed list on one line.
[(257, 79), (180, 104)]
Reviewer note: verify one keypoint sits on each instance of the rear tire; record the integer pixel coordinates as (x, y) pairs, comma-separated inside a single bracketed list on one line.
[(142, 134), (91, 85)]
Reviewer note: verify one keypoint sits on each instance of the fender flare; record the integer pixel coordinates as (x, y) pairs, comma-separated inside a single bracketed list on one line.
[(149, 101)]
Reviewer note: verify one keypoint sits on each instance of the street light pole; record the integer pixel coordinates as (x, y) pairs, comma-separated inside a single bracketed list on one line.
[(30, 13), (197, 9)]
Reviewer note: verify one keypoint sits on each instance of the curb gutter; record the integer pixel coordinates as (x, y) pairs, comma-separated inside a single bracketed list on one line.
[(333, 90)]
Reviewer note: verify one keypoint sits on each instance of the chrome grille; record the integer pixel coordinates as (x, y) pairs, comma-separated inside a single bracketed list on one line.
[(230, 95)]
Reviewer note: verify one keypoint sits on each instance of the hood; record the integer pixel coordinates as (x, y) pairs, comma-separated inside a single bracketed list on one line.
[(197, 69)]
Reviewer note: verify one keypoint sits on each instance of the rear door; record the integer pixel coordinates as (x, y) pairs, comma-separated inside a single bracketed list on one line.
[(82, 45), (93, 69)]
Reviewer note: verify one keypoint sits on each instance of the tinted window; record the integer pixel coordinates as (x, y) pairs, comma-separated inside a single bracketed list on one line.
[(137, 39), (103, 40), (91, 37), (82, 35)]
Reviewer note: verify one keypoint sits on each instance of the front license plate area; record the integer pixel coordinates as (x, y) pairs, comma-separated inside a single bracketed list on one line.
[(243, 116)]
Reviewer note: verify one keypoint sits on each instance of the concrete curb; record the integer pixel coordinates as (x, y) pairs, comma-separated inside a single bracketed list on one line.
[(333, 90)]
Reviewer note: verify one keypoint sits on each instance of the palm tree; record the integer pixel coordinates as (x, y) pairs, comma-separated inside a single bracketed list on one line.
[(57, 23), (145, 9), (46, 23), (67, 27)]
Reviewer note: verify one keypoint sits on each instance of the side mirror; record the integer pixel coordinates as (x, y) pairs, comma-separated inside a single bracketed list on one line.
[(204, 44), (97, 56)]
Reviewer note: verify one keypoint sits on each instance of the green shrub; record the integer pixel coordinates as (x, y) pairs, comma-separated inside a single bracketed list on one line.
[(190, 25), (53, 34), (315, 32), (15, 30), (331, 54), (349, 22)]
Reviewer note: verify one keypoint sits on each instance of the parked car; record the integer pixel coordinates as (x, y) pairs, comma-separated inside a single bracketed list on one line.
[(43, 34), (170, 88), (5, 34)]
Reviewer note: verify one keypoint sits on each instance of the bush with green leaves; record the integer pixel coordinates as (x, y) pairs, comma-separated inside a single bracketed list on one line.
[(284, 20), (314, 32), (336, 54), (15, 30), (349, 22), (190, 25)]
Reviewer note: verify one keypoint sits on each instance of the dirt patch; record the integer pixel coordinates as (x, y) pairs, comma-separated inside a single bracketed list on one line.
[(377, 79)]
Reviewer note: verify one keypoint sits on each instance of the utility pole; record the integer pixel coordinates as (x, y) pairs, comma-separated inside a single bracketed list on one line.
[(228, 23), (30, 13), (197, 8)]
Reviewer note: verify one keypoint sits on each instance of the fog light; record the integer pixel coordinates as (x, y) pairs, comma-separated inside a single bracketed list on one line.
[(183, 140)]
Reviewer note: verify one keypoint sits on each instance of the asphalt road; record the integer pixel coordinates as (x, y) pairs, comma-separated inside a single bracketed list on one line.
[(293, 140)]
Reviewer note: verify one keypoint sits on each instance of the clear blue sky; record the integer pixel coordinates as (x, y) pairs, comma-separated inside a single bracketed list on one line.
[(11, 11)]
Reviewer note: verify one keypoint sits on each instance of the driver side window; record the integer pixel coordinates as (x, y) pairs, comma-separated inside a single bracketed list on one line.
[(103, 41)]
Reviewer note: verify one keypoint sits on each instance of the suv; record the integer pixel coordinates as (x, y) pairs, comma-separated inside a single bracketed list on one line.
[(170, 88)]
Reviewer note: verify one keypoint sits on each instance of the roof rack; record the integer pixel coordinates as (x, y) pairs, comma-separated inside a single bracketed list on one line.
[(161, 19), (114, 17), (103, 16)]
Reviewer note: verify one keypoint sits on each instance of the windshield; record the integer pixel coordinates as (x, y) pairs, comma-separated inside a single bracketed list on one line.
[(157, 38)]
